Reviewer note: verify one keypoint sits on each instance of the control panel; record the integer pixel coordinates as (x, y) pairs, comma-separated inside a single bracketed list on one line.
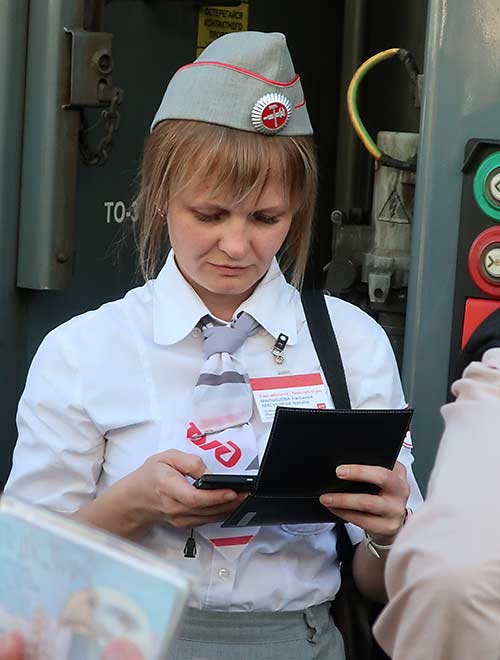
[(477, 280)]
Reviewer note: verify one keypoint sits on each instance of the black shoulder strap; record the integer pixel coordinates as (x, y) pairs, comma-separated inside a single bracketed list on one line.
[(327, 348)]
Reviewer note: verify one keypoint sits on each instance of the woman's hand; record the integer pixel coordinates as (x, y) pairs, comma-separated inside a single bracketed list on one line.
[(382, 515), (163, 495), (159, 493)]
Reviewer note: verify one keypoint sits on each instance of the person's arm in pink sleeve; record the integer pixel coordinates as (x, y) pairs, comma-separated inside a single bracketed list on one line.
[(443, 573)]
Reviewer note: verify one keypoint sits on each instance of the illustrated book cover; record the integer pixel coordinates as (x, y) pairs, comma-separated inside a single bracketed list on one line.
[(72, 591)]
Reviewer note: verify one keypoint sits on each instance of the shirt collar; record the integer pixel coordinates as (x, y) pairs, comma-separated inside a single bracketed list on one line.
[(177, 308), (273, 304)]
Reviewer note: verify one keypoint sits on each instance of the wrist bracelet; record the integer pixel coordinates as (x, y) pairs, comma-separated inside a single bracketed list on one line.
[(376, 548)]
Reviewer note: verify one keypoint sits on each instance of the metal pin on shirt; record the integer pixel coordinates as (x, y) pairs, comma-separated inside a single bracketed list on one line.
[(279, 347)]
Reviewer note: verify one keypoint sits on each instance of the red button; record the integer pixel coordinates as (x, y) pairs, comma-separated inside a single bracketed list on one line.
[(476, 310), (486, 249)]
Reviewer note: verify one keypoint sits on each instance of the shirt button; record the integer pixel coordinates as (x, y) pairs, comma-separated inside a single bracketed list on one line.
[(224, 573), (196, 332)]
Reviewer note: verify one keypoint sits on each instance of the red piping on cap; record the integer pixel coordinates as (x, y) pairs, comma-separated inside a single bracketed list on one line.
[(238, 69), (299, 105)]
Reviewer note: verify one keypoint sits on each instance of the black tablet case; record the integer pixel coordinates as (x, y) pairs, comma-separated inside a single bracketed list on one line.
[(282, 500), (304, 449)]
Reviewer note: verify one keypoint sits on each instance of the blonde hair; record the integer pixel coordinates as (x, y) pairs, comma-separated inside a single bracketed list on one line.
[(179, 152)]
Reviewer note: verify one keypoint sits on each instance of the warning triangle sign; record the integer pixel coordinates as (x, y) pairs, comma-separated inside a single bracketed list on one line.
[(394, 210)]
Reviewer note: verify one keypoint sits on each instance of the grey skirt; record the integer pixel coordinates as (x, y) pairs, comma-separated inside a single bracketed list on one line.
[(299, 635)]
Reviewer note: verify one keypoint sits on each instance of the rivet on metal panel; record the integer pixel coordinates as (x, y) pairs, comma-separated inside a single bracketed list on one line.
[(62, 257), (103, 62)]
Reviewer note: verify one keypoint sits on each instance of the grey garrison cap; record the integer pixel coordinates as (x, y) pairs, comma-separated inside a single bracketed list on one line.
[(243, 80)]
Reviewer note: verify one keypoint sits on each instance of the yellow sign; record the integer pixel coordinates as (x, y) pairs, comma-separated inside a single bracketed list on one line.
[(213, 22)]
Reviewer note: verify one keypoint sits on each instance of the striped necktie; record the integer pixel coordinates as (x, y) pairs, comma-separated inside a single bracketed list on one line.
[(222, 398), (219, 429)]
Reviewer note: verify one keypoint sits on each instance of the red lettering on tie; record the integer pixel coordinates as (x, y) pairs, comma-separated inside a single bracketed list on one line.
[(233, 449), (194, 434)]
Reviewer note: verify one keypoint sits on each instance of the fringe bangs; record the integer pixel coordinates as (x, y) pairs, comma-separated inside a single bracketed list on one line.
[(181, 153)]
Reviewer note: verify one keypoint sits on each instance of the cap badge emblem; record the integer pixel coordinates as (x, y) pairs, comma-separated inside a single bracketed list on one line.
[(271, 113)]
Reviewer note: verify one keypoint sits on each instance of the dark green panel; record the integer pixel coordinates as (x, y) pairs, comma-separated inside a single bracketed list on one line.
[(46, 218), (13, 23), (150, 41)]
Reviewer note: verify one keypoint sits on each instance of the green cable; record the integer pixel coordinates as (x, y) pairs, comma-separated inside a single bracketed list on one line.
[(352, 97)]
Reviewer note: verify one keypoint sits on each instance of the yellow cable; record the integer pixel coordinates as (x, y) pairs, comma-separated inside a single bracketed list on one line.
[(351, 99)]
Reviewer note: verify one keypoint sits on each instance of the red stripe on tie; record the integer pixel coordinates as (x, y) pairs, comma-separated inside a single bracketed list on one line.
[(281, 382), (231, 540)]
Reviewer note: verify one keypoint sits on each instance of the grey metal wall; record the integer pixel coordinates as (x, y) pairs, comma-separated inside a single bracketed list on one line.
[(461, 101), (13, 311)]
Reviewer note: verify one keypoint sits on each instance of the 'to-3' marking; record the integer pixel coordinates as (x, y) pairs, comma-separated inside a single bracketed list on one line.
[(118, 212)]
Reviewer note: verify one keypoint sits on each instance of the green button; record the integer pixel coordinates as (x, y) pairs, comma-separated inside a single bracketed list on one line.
[(487, 186)]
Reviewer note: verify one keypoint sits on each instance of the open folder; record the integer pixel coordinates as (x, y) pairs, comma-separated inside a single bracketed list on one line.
[(304, 449)]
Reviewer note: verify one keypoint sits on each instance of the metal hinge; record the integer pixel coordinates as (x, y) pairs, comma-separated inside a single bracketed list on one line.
[(91, 87)]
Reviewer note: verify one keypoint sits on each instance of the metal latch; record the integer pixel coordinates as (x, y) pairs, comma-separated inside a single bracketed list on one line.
[(91, 68), (91, 87)]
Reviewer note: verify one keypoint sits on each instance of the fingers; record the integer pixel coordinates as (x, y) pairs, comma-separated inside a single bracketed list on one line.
[(374, 525), (372, 513), (380, 514), (389, 481), (168, 497), (186, 464), (224, 509), (400, 470), (192, 498), (181, 516), (181, 509), (178, 464), (373, 504)]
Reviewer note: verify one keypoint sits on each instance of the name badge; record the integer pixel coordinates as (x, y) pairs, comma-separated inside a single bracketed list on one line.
[(301, 391)]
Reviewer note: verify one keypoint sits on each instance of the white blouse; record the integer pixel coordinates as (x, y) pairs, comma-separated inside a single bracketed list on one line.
[(111, 387)]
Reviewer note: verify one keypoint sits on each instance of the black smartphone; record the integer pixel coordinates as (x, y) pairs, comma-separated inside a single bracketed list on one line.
[(241, 483)]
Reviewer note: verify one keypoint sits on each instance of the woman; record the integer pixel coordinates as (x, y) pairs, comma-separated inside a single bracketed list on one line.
[(123, 404)]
